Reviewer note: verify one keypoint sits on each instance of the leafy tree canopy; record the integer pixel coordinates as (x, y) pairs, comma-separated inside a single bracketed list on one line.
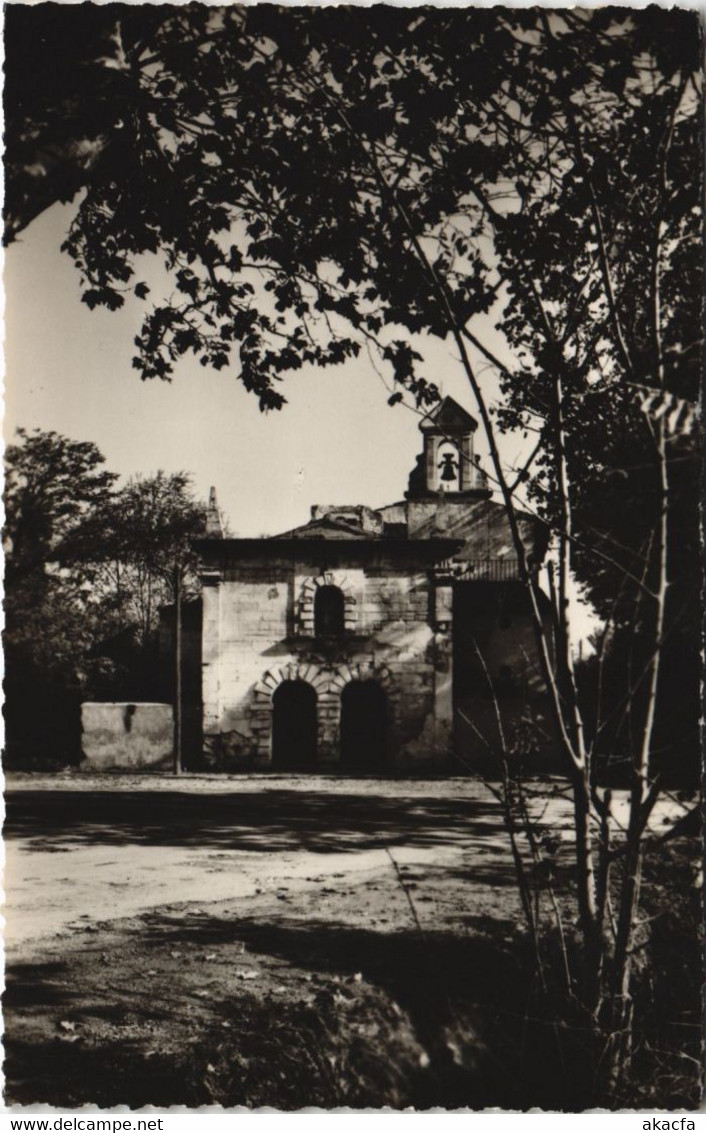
[(144, 547), (84, 560), (317, 149), (53, 488), (315, 179)]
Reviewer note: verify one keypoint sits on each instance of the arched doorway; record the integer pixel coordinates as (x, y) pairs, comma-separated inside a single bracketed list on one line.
[(294, 727), (363, 727)]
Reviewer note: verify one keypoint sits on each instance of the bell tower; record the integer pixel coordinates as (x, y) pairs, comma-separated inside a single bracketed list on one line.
[(447, 467)]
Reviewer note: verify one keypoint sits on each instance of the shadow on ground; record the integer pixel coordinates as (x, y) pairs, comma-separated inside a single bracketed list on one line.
[(336, 1015), (270, 821)]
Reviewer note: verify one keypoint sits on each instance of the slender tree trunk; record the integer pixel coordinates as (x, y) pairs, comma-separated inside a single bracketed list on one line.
[(177, 673), (587, 890), (589, 905), (566, 717), (148, 616), (119, 591), (644, 791), (642, 797)]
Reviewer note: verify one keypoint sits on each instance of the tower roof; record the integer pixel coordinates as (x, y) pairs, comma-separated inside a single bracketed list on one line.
[(448, 417), (214, 521)]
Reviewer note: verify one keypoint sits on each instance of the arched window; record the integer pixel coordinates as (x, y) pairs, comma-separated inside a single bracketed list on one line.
[(329, 619)]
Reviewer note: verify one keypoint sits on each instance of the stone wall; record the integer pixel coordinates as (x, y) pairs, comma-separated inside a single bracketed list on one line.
[(260, 633), (122, 735)]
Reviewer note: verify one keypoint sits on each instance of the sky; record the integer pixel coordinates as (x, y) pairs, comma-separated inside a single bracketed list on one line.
[(336, 441)]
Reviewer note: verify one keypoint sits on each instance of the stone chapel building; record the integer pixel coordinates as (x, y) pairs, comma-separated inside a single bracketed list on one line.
[(376, 640)]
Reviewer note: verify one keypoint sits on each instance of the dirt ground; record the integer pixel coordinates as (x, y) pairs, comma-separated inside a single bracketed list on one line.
[(259, 940), (104, 847)]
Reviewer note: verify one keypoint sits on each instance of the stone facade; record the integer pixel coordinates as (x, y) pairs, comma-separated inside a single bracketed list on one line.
[(335, 646)]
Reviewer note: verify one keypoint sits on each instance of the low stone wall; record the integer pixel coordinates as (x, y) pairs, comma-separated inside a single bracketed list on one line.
[(122, 735)]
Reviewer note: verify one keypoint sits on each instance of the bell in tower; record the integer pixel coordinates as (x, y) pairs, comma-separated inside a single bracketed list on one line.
[(447, 465)]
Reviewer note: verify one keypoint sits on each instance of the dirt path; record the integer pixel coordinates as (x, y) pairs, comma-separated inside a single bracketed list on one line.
[(156, 929), (262, 941), (81, 849), (49, 894), (93, 850)]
